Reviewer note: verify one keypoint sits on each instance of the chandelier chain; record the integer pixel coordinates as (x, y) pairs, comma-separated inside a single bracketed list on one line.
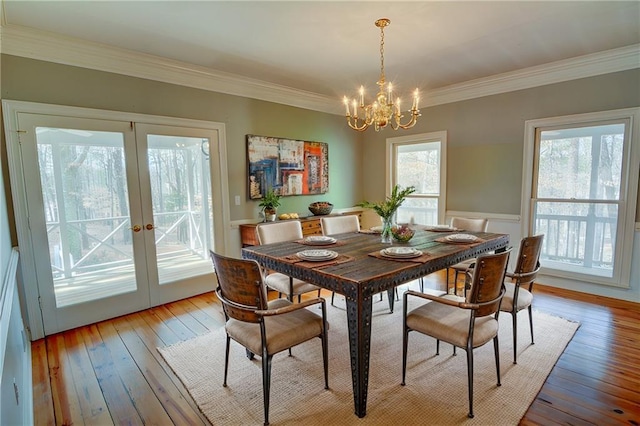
[(381, 56)]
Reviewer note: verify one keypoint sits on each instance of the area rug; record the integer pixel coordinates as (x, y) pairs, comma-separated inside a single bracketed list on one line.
[(435, 391)]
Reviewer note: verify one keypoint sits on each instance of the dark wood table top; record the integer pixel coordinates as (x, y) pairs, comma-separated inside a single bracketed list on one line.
[(358, 272)]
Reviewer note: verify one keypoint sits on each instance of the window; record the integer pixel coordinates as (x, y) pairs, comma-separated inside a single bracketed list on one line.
[(582, 196), (420, 161)]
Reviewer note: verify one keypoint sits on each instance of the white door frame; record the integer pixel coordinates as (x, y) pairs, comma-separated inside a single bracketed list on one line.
[(11, 111)]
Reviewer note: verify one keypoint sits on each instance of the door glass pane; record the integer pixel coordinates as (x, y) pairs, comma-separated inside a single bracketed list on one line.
[(85, 197), (182, 210)]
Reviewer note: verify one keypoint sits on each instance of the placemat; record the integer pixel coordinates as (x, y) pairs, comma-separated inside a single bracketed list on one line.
[(342, 258), (420, 259), (444, 240), (337, 243)]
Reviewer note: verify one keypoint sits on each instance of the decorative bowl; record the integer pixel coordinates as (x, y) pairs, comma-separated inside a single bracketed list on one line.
[(320, 208), (402, 233)]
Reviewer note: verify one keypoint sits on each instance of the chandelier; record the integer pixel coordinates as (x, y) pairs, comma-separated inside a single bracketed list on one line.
[(383, 111)]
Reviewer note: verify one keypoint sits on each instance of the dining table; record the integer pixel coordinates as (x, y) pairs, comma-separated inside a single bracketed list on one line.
[(362, 269)]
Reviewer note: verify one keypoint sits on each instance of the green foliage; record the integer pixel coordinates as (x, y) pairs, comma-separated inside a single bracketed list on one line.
[(270, 201), (388, 207)]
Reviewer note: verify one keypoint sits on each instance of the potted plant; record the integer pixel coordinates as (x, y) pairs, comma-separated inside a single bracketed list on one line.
[(270, 203), (387, 209)]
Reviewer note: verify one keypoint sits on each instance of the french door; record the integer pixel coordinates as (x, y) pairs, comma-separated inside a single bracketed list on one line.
[(120, 214)]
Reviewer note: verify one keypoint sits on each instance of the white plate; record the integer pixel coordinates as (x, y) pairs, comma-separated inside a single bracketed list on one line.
[(317, 255), (319, 240), (376, 229), (400, 252), (461, 238)]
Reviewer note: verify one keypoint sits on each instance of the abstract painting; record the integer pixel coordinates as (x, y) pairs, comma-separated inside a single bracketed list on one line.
[(288, 166)]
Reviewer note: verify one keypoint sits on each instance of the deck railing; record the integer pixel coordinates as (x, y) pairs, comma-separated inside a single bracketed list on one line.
[(176, 234), (586, 241)]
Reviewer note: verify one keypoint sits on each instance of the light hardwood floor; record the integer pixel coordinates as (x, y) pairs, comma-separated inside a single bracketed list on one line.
[(111, 372)]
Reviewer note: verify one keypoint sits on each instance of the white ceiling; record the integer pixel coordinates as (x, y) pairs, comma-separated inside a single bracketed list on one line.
[(331, 48)]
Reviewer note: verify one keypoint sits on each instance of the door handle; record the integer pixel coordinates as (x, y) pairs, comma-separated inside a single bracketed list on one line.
[(149, 226), (136, 228)]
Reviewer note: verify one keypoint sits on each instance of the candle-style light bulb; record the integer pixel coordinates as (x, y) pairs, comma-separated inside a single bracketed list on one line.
[(398, 106), (355, 108), (361, 95), (389, 99), (346, 105), (415, 99)]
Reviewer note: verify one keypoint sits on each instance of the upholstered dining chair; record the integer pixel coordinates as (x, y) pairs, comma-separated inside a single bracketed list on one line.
[(277, 232), (465, 323), (332, 225), (519, 292), (264, 328), (471, 225)]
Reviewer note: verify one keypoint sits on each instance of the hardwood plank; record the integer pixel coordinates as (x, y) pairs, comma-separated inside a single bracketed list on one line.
[(624, 409), (65, 401), (146, 403), (167, 388), (42, 396), (187, 314), (174, 324), (121, 407), (210, 312), (92, 404)]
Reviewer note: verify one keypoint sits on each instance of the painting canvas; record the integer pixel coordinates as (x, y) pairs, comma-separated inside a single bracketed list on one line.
[(288, 166)]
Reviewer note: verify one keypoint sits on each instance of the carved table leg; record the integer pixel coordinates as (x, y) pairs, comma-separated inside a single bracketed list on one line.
[(359, 324)]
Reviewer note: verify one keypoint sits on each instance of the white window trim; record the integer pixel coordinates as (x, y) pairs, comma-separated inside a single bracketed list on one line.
[(439, 136), (629, 180)]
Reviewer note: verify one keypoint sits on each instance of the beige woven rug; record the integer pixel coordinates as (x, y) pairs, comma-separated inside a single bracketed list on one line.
[(435, 391)]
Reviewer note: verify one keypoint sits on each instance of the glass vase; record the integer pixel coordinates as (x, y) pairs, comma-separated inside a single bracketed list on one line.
[(386, 236)]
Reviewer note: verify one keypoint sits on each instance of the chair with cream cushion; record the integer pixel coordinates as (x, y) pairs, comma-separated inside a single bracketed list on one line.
[(470, 225), (264, 328), (466, 323), (332, 225), (520, 289), (277, 232)]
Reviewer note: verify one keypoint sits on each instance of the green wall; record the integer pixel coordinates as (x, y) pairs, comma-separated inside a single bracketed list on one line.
[(45, 82), (486, 136)]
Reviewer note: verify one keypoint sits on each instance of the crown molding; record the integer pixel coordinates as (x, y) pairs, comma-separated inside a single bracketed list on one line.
[(40, 45), (609, 61)]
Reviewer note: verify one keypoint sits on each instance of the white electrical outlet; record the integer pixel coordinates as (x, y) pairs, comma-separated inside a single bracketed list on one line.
[(237, 200)]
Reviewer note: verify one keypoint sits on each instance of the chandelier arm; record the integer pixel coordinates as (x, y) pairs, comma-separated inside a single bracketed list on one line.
[(355, 126), (414, 119)]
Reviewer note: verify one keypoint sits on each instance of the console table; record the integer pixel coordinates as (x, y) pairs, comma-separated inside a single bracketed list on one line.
[(310, 226)]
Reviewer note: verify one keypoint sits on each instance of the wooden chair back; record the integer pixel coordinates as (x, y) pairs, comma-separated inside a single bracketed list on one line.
[(240, 287), (277, 232), (529, 255), (339, 224), (471, 225), (488, 282)]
